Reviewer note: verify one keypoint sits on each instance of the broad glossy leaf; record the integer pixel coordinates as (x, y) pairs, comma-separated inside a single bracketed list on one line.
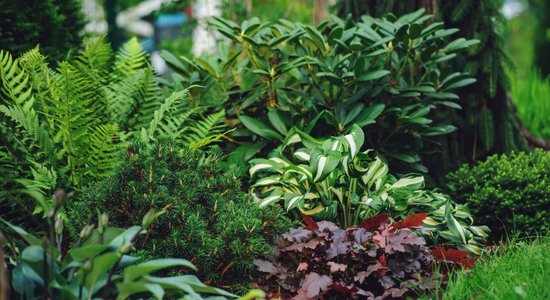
[(374, 75), (133, 272), (260, 128)]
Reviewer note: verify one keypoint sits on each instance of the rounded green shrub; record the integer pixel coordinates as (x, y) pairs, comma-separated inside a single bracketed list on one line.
[(207, 219), (509, 193)]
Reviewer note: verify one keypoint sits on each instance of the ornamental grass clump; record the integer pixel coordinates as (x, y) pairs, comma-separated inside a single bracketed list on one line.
[(207, 219)]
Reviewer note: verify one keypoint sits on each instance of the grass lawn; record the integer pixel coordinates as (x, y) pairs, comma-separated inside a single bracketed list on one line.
[(521, 271)]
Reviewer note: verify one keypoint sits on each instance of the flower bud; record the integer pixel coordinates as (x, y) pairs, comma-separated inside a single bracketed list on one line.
[(86, 231), (58, 225), (87, 265), (148, 218), (59, 197), (102, 222)]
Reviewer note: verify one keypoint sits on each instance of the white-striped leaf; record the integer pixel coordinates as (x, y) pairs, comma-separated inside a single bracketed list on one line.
[(323, 165), (407, 181), (274, 197), (293, 200)]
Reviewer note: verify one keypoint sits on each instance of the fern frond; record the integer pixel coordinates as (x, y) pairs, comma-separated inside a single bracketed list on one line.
[(44, 180), (101, 157), (130, 59), (33, 136), (161, 116), (207, 131), (15, 82)]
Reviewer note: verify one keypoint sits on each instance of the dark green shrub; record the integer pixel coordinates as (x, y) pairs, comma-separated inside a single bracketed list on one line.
[(207, 221), (508, 192), (54, 24), (388, 76)]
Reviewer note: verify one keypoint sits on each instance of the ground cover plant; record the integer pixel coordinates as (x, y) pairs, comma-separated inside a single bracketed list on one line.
[(375, 259), (332, 179), (509, 193), (207, 218), (516, 270), (385, 75), (99, 265)]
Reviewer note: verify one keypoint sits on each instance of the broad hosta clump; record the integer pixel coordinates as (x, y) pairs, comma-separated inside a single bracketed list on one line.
[(376, 259), (388, 76), (207, 219), (510, 193), (334, 180)]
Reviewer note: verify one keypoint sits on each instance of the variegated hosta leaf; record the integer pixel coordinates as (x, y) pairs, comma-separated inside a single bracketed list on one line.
[(377, 171), (262, 164), (293, 200), (272, 198), (355, 139), (322, 165), (408, 182)]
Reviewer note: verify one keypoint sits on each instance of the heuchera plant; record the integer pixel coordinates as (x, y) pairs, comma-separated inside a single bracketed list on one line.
[(377, 259)]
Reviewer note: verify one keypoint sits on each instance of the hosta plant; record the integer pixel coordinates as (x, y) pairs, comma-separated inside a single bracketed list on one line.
[(388, 76), (377, 259), (333, 179), (99, 266)]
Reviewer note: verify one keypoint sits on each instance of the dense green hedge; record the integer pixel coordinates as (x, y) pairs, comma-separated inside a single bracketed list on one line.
[(207, 221), (507, 193), (54, 24)]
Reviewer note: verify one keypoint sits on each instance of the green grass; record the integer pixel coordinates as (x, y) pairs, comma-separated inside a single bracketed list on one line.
[(530, 92), (517, 271), (531, 95)]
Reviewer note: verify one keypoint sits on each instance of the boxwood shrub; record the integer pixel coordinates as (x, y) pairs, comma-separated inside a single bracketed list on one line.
[(509, 193)]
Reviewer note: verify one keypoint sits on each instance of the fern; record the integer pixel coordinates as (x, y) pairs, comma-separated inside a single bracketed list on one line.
[(207, 131), (32, 136), (15, 82), (161, 115), (102, 151), (130, 59)]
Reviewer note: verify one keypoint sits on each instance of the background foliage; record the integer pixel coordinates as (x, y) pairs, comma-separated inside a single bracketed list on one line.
[(56, 25)]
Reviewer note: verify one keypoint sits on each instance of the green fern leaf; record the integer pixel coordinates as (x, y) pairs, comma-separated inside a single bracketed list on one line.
[(206, 132)]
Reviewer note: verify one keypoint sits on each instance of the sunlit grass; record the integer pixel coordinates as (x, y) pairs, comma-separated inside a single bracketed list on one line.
[(518, 270), (531, 95)]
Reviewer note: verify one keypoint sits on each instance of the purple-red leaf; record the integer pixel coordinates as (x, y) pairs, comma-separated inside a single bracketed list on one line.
[(372, 224), (336, 267), (314, 284), (455, 256), (311, 225), (414, 221)]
